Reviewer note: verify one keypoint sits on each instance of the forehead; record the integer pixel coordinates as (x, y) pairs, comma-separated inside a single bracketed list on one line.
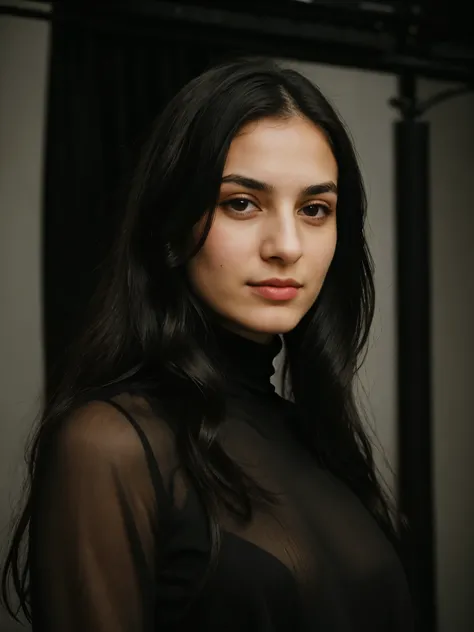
[(282, 150)]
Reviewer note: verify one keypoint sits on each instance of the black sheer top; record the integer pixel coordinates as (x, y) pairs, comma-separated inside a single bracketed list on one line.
[(119, 539)]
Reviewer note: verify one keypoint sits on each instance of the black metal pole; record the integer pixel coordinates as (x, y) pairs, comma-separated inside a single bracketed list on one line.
[(414, 351)]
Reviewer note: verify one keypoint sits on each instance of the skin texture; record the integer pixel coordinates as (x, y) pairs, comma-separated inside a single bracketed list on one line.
[(283, 232)]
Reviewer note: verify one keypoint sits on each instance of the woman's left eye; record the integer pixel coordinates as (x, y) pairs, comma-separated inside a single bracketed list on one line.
[(315, 210)]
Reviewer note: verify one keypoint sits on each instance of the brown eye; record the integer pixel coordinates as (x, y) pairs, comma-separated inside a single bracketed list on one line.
[(316, 211), (238, 205)]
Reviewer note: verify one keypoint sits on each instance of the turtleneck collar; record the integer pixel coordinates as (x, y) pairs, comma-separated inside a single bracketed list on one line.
[(248, 364)]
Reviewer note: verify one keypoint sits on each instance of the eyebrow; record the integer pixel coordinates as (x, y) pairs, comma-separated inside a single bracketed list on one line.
[(257, 185)]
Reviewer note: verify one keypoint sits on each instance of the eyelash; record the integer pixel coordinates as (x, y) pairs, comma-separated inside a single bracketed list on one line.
[(227, 205)]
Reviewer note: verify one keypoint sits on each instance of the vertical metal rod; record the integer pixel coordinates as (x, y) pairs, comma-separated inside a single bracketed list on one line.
[(414, 351)]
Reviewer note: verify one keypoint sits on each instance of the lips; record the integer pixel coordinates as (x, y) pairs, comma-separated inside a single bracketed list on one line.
[(277, 283), (276, 293)]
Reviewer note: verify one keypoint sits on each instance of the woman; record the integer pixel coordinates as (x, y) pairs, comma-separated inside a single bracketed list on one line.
[(171, 486)]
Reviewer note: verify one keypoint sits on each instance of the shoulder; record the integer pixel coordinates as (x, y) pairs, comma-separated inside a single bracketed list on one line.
[(97, 427), (120, 430)]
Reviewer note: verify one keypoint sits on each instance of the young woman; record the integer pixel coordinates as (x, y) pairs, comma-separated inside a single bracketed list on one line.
[(171, 487)]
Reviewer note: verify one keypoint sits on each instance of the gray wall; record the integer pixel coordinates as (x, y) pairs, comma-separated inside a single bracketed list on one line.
[(362, 100), (452, 173), (23, 65)]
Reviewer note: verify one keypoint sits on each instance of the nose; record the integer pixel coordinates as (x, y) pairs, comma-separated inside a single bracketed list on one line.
[(282, 240)]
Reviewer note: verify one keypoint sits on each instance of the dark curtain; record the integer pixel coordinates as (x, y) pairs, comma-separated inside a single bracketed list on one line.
[(108, 81)]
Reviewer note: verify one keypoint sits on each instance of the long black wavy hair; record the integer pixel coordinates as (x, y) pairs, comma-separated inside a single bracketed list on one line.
[(147, 328)]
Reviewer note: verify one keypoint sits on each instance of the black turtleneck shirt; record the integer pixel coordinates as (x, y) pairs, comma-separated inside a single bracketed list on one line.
[(119, 539)]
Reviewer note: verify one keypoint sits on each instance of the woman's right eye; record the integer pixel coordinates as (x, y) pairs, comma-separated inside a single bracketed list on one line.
[(238, 205)]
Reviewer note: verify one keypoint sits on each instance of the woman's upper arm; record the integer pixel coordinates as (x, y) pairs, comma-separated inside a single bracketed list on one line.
[(94, 529)]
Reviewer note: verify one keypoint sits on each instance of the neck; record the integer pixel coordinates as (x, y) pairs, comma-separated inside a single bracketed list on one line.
[(254, 336), (247, 362)]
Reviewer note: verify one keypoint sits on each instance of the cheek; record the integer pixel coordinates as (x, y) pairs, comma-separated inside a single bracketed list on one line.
[(322, 255), (222, 257), (328, 254), (225, 250)]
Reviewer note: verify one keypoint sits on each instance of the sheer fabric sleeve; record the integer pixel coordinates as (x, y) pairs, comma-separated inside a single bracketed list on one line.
[(96, 522)]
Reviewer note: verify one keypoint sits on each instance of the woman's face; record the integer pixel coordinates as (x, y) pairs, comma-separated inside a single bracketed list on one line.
[(275, 219)]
